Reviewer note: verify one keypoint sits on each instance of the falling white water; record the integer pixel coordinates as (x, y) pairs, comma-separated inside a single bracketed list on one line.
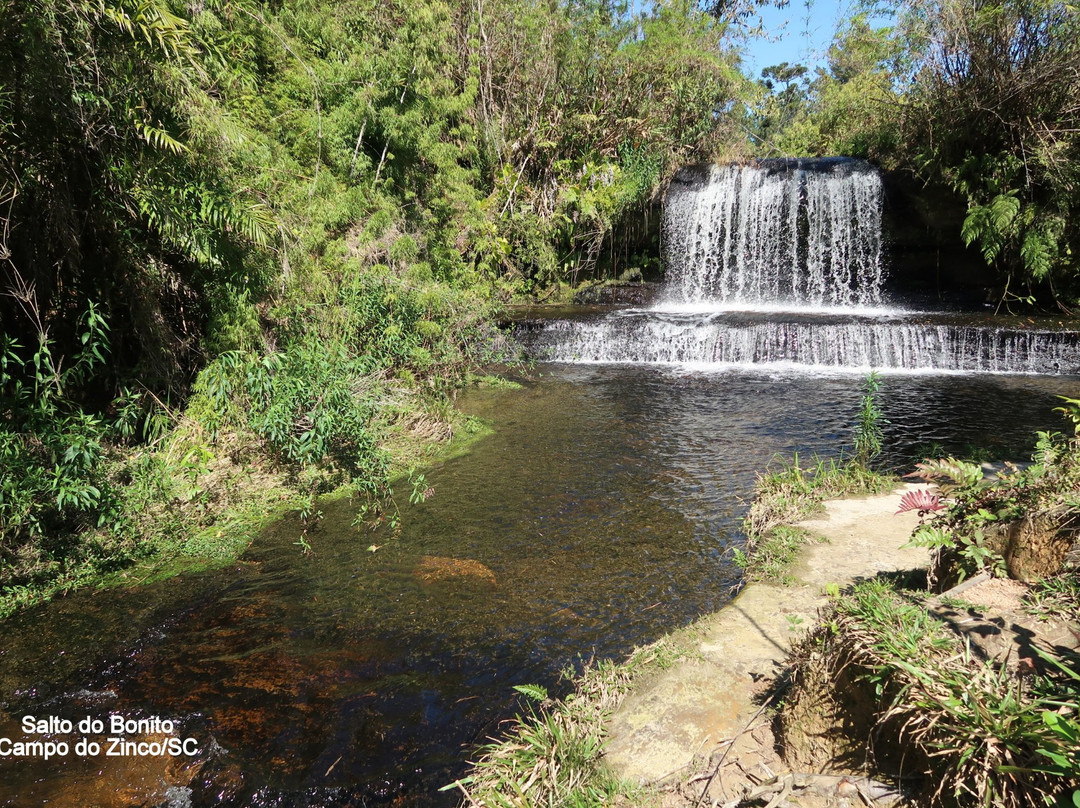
[(778, 265), (723, 342), (805, 233)]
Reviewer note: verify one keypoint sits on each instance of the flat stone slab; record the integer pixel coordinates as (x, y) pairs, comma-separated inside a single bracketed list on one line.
[(990, 615), (707, 699)]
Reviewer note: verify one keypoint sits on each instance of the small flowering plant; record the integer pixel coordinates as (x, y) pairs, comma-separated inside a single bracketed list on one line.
[(965, 503)]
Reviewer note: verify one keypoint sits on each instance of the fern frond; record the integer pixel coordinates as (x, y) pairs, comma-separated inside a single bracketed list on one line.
[(975, 225), (949, 473), (535, 693), (1003, 211)]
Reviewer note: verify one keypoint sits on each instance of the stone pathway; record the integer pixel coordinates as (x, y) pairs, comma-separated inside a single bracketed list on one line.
[(704, 703)]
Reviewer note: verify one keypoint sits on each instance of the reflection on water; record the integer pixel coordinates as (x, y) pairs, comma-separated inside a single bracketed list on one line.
[(597, 517)]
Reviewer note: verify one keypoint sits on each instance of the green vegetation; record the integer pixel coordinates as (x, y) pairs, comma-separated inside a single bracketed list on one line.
[(978, 732), (868, 429), (788, 495), (979, 98), (1002, 68), (853, 106), (892, 674), (796, 491), (989, 522), (772, 555), (249, 250), (552, 755), (250, 235), (1056, 596), (900, 688)]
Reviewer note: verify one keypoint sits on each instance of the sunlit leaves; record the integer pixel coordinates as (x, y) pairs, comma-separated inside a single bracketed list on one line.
[(995, 111), (949, 473), (1038, 252), (116, 156), (990, 226), (159, 138), (149, 21)]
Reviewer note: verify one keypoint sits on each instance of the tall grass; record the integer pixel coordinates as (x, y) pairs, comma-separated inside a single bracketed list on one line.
[(1056, 596), (869, 435), (796, 490)]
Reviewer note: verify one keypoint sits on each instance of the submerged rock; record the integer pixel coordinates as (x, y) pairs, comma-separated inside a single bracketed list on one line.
[(434, 569)]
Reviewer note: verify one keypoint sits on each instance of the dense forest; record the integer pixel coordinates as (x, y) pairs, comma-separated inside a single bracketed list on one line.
[(250, 247)]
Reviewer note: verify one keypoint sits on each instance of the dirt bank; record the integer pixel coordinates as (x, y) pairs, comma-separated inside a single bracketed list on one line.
[(677, 719)]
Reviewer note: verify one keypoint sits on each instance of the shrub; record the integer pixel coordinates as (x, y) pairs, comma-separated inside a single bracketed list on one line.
[(53, 453)]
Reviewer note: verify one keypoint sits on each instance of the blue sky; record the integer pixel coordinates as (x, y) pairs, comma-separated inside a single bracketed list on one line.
[(800, 33)]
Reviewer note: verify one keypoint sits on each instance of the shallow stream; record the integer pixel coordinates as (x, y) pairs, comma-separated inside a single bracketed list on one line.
[(598, 516)]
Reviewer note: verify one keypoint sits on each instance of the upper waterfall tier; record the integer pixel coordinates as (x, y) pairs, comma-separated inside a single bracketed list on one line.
[(778, 232)]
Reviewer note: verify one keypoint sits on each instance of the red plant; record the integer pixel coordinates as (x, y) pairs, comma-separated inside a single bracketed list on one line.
[(922, 501)]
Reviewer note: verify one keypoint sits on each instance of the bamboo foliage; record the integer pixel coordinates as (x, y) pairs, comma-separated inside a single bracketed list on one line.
[(151, 21), (336, 188), (114, 161)]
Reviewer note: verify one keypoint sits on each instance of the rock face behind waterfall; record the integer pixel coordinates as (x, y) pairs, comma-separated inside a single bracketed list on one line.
[(775, 232)]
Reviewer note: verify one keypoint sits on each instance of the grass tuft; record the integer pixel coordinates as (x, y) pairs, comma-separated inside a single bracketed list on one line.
[(796, 491), (552, 755), (789, 494), (978, 733), (773, 554)]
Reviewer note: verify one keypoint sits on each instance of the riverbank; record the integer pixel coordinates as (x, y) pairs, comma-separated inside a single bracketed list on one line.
[(715, 704), (853, 669), (673, 705), (222, 497)]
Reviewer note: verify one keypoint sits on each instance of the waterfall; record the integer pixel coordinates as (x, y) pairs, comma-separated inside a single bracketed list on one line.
[(859, 346), (778, 232), (779, 264)]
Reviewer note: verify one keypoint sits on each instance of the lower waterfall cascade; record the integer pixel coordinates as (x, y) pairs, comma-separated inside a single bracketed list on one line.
[(779, 264), (721, 342)]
